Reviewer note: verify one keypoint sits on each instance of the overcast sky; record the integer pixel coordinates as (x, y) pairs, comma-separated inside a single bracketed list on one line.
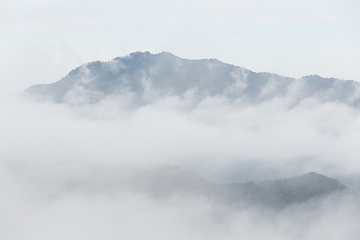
[(42, 40)]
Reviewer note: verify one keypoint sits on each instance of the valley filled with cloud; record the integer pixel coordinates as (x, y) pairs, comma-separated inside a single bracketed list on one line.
[(123, 165)]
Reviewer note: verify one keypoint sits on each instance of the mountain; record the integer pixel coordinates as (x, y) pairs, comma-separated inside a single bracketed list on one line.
[(171, 181), (143, 78), (278, 193), (166, 182), (283, 192)]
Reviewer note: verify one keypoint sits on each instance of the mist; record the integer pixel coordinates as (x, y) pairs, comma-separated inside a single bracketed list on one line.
[(209, 136), (71, 170), (153, 146)]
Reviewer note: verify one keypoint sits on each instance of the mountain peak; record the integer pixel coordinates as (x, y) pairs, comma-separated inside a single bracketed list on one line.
[(142, 74)]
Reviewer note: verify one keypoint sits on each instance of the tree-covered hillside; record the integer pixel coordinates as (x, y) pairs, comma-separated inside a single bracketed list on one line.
[(143, 78), (282, 192), (278, 193)]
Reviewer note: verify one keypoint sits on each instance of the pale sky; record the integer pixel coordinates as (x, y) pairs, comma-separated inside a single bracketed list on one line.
[(42, 40)]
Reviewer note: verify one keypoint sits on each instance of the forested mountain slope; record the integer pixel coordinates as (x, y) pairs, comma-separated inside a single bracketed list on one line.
[(278, 193), (144, 77)]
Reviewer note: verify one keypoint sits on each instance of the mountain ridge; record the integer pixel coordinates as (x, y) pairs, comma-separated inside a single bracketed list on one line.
[(269, 194), (145, 77)]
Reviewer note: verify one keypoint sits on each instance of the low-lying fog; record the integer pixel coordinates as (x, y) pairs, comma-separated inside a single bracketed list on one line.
[(64, 168)]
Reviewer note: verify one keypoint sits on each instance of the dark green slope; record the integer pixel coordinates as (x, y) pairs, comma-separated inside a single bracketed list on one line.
[(277, 193), (283, 192)]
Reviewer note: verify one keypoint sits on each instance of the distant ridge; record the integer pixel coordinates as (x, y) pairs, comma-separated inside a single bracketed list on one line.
[(283, 192), (278, 193), (144, 77)]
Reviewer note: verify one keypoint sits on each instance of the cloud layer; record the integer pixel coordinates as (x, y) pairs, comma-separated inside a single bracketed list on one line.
[(62, 167), (68, 170)]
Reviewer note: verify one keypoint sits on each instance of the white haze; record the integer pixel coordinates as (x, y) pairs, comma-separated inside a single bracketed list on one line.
[(65, 170), (62, 167)]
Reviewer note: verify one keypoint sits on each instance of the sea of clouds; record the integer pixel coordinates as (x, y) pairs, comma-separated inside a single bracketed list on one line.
[(65, 168)]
